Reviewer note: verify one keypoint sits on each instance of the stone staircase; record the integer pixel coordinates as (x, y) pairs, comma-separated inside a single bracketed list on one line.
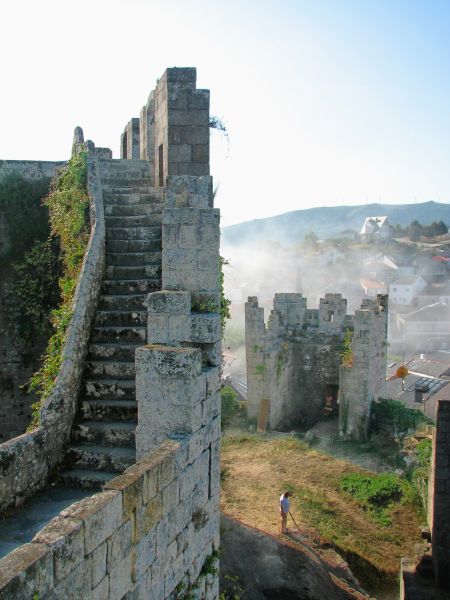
[(103, 438)]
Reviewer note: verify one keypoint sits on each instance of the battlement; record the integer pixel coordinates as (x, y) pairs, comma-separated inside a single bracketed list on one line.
[(294, 364)]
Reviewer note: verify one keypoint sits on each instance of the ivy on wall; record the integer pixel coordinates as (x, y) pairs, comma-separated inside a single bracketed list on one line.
[(68, 205)]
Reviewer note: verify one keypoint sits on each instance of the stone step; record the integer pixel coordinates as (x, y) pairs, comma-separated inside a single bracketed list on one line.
[(123, 163), (133, 259), (124, 181), (101, 458), (134, 210), (109, 410), (132, 198), (125, 222), (140, 272), (120, 246), (110, 389), (151, 234), (123, 287), (105, 433), (110, 369), (122, 302), (107, 175), (113, 352), (119, 334), (85, 479), (118, 318), (127, 189)]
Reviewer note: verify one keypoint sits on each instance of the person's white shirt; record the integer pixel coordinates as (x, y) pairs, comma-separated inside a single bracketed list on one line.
[(284, 503)]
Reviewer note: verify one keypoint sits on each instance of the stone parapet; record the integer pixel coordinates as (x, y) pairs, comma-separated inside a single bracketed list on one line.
[(153, 528)]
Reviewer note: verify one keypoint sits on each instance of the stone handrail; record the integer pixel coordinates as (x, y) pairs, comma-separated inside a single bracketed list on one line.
[(27, 460)]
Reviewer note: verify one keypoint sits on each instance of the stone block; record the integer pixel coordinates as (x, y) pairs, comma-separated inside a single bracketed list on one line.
[(172, 280), (200, 153), (180, 153), (145, 553), (213, 382), (189, 237), (169, 302), (119, 561), (98, 564), (77, 584), (212, 354), (100, 591), (168, 362), (130, 484), (157, 328), (101, 515), (65, 537), (207, 260), (170, 496), (148, 516), (26, 570), (193, 169), (208, 280), (179, 328), (205, 328), (180, 216)]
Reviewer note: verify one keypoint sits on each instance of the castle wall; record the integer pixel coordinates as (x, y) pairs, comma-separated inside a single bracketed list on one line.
[(363, 381), (27, 460), (18, 361), (151, 530), (30, 169), (294, 363)]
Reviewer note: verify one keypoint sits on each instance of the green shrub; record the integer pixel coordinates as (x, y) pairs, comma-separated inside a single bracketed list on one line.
[(68, 204), (230, 404), (396, 416), (374, 493)]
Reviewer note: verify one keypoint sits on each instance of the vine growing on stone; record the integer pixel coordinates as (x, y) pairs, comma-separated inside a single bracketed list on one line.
[(68, 204)]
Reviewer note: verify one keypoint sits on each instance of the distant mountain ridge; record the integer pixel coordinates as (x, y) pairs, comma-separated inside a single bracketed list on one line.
[(329, 221)]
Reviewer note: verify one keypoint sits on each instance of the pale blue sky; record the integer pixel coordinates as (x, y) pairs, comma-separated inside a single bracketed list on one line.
[(327, 102)]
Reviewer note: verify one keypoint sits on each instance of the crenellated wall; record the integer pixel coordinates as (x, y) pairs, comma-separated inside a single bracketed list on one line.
[(294, 363)]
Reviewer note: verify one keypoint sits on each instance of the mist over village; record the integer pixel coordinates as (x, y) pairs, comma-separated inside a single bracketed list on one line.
[(225, 300)]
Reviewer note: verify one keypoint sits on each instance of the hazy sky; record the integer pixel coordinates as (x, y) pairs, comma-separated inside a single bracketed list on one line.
[(326, 102)]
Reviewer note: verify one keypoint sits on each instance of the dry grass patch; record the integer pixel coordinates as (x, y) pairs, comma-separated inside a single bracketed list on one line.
[(259, 467)]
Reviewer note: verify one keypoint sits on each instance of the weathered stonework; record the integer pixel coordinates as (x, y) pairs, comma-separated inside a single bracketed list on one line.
[(154, 529), (294, 364), (27, 460), (429, 576)]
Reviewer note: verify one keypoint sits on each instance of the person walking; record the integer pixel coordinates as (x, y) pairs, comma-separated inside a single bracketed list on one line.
[(285, 505)]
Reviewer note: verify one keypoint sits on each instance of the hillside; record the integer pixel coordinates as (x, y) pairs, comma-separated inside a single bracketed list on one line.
[(256, 468), (330, 221)]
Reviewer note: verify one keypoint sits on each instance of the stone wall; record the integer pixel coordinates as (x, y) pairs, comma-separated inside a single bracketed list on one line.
[(30, 169), (363, 380), (151, 531), (294, 363), (173, 129), (440, 525), (27, 460), (18, 360), (428, 576)]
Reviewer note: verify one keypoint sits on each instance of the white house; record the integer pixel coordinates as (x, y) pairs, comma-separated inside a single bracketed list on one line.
[(372, 288), (405, 290), (376, 229)]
